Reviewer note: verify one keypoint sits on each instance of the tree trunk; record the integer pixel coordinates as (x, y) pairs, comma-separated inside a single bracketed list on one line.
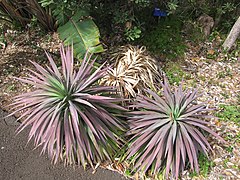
[(234, 33)]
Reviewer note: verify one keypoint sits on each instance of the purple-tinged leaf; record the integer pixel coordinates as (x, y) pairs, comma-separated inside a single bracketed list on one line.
[(208, 130), (71, 118), (165, 131)]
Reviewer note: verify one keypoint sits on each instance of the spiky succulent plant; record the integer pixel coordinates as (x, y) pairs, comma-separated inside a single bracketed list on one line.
[(133, 70), (167, 131), (69, 115)]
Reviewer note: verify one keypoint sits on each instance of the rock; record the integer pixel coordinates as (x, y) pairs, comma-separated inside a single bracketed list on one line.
[(230, 164), (207, 23)]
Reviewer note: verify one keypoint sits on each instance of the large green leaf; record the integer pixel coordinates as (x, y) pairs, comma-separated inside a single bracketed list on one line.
[(82, 32)]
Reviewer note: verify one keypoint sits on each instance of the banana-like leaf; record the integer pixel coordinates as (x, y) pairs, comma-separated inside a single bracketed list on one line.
[(82, 32)]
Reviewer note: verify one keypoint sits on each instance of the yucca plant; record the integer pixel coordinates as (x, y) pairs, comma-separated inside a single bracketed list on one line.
[(69, 115), (167, 131), (133, 70)]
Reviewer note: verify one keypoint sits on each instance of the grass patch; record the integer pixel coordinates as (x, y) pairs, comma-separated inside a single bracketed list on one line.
[(229, 113), (175, 73), (205, 166), (232, 137)]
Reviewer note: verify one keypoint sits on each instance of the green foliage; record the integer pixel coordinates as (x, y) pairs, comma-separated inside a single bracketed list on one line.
[(166, 39), (229, 113), (143, 3), (75, 25), (174, 72), (225, 73), (82, 32), (126, 24), (133, 33), (193, 32), (121, 17), (172, 6), (123, 20), (229, 149), (227, 7), (205, 166), (230, 136), (62, 10), (224, 13), (119, 13)]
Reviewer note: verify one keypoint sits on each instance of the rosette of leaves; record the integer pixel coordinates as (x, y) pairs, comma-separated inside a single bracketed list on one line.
[(69, 115), (132, 71), (167, 131)]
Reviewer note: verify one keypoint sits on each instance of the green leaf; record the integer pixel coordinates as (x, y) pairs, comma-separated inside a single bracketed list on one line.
[(45, 3), (83, 33)]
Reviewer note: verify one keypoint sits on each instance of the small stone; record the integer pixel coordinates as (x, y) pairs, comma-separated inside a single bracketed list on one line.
[(218, 160), (227, 173), (230, 172), (230, 164), (2, 147)]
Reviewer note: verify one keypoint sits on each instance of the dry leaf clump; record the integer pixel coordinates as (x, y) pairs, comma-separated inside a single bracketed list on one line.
[(133, 70)]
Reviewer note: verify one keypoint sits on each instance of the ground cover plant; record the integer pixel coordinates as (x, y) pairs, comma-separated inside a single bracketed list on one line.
[(229, 113), (205, 164), (69, 115), (174, 72), (167, 131)]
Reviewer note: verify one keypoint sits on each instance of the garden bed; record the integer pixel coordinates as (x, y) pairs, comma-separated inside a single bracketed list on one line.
[(216, 75)]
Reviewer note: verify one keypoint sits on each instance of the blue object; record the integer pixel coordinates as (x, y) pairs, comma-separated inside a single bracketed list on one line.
[(158, 13)]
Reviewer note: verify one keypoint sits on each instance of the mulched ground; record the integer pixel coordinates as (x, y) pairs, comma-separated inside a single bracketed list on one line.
[(217, 77), (215, 74)]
